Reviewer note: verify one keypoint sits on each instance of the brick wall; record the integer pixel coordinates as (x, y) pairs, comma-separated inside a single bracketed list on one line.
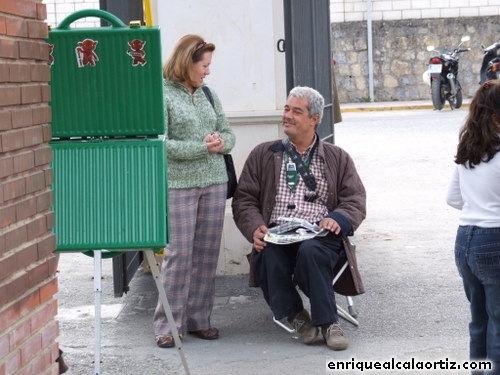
[(28, 283)]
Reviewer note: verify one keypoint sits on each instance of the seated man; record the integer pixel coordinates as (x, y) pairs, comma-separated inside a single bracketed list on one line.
[(306, 178)]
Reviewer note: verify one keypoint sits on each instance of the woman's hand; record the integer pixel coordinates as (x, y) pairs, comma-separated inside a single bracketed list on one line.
[(214, 143)]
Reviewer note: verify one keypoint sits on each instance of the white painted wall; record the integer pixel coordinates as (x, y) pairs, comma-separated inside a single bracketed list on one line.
[(243, 70)]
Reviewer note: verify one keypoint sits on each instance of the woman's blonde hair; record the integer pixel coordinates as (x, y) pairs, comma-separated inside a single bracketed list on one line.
[(188, 51)]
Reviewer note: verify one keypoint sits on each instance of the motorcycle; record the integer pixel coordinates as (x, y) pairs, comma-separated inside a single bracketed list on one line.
[(490, 68), (443, 71)]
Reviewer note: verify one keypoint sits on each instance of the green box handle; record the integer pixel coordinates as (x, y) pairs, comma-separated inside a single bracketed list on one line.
[(111, 18)]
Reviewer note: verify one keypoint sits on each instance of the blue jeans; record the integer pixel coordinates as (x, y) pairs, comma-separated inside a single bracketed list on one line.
[(477, 255)]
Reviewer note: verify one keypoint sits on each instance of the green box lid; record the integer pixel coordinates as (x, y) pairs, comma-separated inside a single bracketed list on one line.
[(105, 81)]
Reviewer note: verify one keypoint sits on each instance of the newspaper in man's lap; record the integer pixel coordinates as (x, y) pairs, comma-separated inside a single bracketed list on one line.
[(293, 230)]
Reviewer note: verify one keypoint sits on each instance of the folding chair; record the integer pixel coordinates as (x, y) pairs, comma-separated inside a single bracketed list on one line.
[(349, 315), (352, 313)]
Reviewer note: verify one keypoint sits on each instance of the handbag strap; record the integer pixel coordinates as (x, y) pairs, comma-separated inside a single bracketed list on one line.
[(209, 96)]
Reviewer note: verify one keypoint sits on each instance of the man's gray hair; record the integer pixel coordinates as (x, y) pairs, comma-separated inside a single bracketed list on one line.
[(315, 100)]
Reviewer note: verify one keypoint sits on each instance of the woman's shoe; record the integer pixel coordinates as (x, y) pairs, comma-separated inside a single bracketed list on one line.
[(206, 334), (165, 341)]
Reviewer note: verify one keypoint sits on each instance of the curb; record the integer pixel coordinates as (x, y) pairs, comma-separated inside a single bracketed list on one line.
[(391, 106)]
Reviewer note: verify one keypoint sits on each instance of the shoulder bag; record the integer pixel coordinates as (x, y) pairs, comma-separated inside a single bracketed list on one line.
[(232, 181)]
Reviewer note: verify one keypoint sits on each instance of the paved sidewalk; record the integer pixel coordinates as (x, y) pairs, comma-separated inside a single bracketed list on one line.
[(414, 305)]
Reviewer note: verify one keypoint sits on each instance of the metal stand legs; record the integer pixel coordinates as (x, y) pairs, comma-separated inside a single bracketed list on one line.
[(97, 306), (163, 298)]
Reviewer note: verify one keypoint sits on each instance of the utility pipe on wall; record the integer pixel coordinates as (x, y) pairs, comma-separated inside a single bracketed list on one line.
[(370, 48)]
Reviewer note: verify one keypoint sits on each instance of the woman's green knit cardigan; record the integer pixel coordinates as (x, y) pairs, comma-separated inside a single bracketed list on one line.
[(188, 119)]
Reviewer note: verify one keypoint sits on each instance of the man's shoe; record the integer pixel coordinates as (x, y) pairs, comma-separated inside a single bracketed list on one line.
[(335, 336), (302, 325), (165, 341)]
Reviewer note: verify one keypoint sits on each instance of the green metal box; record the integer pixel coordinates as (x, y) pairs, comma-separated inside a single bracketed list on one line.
[(110, 194), (105, 81)]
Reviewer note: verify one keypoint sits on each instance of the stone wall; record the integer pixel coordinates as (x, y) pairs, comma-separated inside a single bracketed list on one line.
[(400, 55)]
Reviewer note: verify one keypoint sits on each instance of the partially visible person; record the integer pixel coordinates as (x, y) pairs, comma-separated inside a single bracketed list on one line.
[(197, 136), (475, 190), (301, 177)]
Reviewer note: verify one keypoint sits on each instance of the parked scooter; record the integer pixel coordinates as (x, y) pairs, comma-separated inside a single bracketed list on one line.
[(490, 68), (443, 71)]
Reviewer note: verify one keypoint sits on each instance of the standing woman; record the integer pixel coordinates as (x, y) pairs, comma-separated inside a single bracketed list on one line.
[(475, 190), (197, 135)]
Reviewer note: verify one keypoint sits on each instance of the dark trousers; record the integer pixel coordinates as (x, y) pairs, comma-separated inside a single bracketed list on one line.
[(308, 264)]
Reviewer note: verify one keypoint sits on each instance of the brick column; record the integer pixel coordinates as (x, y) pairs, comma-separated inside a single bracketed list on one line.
[(28, 282)]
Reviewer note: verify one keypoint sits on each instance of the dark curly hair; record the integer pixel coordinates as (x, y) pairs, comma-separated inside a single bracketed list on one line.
[(479, 138)]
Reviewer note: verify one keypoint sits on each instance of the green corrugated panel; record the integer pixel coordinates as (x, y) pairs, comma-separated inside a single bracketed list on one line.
[(110, 194), (109, 88)]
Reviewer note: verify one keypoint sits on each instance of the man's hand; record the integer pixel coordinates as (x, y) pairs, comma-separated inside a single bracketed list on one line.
[(330, 225), (258, 238)]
